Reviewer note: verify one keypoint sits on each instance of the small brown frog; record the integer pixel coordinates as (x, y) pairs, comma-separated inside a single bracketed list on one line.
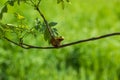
[(56, 41)]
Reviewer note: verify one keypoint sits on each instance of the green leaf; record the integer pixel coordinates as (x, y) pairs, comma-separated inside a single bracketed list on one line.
[(1, 33), (37, 22), (68, 0), (11, 2), (18, 1), (52, 24), (55, 31), (10, 26), (62, 3), (42, 27), (1, 26), (39, 26), (46, 35), (59, 1), (4, 10), (19, 16)]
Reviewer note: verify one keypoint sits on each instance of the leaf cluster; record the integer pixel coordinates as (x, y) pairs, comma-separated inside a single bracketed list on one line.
[(21, 29), (42, 28), (11, 3), (62, 2)]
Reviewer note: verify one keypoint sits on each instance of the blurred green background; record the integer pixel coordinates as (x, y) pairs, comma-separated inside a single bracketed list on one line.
[(95, 60)]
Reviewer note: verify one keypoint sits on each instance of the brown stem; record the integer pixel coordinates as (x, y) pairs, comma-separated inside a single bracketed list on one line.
[(27, 46), (46, 23), (90, 39)]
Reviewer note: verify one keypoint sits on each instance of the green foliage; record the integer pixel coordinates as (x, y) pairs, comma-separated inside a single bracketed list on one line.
[(62, 2), (52, 24), (42, 28), (3, 10), (21, 29), (97, 60), (11, 3)]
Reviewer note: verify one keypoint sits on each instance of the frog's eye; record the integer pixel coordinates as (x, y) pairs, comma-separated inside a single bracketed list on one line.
[(60, 38)]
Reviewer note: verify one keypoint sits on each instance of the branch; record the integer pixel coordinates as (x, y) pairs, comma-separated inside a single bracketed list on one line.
[(91, 39), (46, 22), (27, 46)]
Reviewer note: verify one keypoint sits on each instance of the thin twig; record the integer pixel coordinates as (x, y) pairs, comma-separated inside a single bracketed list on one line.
[(27, 46), (90, 39), (32, 2), (46, 23), (38, 2)]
